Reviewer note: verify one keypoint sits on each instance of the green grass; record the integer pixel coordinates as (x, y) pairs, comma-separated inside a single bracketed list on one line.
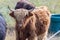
[(53, 5)]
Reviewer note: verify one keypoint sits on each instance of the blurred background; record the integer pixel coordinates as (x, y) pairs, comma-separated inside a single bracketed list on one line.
[(53, 5)]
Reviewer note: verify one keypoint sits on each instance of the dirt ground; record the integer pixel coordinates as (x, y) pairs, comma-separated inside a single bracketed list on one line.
[(11, 36)]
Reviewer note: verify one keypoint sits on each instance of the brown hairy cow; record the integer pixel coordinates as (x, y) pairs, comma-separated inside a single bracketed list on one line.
[(42, 22), (32, 25)]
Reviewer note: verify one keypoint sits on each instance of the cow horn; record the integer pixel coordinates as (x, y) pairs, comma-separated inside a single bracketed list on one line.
[(31, 10), (10, 9)]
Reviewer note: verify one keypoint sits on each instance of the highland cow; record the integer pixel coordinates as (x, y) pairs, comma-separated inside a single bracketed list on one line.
[(32, 25), (2, 27), (42, 23)]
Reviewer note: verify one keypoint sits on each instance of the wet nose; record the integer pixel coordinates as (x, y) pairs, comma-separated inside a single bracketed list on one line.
[(21, 23)]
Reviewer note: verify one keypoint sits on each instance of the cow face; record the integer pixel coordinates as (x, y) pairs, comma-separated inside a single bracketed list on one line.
[(20, 14)]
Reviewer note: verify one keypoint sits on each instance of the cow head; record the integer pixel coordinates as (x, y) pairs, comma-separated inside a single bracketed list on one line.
[(20, 14)]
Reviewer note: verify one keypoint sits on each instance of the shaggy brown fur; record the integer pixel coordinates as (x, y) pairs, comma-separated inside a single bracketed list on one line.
[(22, 19), (42, 23), (32, 25)]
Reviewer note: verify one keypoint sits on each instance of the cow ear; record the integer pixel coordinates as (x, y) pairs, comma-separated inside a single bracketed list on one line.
[(30, 14), (12, 14)]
